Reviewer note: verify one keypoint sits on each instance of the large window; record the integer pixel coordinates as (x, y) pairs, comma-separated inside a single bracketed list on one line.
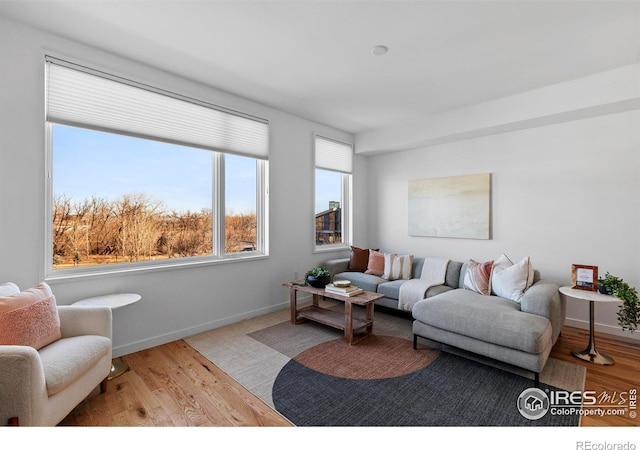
[(333, 161), (144, 178)]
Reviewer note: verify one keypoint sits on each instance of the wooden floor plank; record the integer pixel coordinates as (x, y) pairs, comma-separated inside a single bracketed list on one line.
[(173, 385)]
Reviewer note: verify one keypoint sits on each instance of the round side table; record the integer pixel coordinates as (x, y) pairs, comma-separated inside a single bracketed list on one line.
[(113, 301), (590, 353)]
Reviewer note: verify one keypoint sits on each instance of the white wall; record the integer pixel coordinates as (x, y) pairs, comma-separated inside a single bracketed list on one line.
[(175, 303), (563, 193), (548, 185)]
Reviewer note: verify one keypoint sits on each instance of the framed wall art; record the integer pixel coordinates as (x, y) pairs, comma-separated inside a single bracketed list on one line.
[(454, 207)]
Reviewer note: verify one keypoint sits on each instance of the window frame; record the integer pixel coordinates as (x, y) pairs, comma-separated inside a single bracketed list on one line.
[(346, 199), (218, 254), (262, 204)]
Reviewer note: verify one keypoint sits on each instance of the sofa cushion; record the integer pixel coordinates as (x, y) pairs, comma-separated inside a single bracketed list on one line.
[(397, 267), (452, 277), (510, 280), (478, 277), (358, 259), (375, 265), (389, 259), (391, 289), (487, 318), (67, 359), (29, 318)]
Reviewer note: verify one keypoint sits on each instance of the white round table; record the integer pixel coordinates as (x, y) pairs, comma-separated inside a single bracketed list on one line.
[(113, 301), (590, 353)]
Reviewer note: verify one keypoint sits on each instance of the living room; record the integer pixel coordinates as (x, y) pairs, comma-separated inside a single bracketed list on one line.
[(561, 151)]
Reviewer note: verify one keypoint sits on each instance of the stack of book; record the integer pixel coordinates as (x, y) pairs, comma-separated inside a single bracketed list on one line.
[(348, 291)]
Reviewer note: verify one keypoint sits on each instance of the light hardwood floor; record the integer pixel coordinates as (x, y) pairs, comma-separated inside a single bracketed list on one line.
[(621, 377), (172, 385)]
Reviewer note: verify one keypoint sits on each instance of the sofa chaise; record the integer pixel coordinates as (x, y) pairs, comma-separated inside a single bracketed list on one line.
[(519, 331)]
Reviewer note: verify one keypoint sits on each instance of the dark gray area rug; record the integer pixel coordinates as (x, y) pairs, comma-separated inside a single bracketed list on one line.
[(309, 374), (451, 391)]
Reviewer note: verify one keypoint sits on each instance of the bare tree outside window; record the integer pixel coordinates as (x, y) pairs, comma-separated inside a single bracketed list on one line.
[(138, 225)]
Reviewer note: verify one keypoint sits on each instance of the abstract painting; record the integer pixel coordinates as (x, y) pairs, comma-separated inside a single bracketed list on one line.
[(454, 207)]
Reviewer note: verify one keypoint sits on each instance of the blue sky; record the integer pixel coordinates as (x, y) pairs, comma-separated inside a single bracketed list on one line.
[(88, 163), (328, 188)]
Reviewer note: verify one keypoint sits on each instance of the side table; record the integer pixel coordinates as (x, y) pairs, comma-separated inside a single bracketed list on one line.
[(591, 353), (113, 301)]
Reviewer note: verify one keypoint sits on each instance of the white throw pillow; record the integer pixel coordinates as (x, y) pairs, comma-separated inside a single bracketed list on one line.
[(510, 280), (397, 267), (8, 288), (389, 260), (403, 267)]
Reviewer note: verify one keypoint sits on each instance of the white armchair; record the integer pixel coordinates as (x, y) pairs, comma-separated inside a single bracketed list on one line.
[(41, 387)]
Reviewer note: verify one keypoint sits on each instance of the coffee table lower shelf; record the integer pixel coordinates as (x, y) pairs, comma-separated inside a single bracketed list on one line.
[(336, 319)]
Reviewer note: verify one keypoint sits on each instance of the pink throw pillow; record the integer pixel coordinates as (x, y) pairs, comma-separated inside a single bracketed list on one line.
[(376, 263), (29, 318)]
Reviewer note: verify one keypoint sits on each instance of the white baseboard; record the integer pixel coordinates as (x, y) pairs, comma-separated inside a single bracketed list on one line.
[(603, 328), (144, 344)]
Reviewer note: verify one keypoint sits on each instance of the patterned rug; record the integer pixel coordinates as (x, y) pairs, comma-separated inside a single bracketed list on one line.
[(313, 377)]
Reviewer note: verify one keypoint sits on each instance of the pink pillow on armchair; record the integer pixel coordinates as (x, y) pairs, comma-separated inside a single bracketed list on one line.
[(29, 318)]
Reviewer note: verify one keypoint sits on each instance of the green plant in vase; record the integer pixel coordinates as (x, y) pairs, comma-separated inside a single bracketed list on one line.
[(629, 312), (318, 277)]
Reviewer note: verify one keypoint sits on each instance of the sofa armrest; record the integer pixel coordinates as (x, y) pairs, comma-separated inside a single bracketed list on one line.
[(23, 390), (77, 320), (543, 298), (335, 266)]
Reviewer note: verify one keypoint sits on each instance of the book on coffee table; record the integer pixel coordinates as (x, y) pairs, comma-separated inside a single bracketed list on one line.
[(348, 291)]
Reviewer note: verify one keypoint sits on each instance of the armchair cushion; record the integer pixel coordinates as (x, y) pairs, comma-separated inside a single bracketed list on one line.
[(68, 359), (29, 318)]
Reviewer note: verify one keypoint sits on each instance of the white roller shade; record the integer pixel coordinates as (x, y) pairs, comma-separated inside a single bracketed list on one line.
[(333, 155), (79, 98)]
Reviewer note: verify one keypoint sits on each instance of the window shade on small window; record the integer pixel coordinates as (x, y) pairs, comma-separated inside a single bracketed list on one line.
[(333, 155), (78, 98)]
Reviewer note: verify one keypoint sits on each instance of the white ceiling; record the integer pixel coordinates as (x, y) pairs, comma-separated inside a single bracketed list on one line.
[(313, 58)]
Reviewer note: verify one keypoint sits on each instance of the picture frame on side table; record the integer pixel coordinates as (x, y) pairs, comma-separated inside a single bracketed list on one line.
[(584, 277)]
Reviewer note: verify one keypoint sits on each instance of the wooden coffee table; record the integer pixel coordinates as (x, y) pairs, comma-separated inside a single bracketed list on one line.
[(355, 329)]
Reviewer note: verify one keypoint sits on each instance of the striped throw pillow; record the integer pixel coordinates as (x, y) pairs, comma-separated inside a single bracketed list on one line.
[(397, 267), (478, 277)]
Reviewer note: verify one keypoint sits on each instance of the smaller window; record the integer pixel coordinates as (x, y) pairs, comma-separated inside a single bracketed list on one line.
[(333, 165)]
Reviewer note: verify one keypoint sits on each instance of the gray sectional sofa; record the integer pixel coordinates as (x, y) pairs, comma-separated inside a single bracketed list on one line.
[(517, 333)]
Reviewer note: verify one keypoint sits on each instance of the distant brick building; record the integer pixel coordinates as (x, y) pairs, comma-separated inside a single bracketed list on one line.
[(329, 225)]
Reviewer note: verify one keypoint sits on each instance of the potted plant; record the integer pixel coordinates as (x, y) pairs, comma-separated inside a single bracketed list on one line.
[(318, 277), (608, 284), (629, 312)]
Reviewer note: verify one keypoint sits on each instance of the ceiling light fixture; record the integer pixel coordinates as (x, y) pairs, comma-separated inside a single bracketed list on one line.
[(379, 50)]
